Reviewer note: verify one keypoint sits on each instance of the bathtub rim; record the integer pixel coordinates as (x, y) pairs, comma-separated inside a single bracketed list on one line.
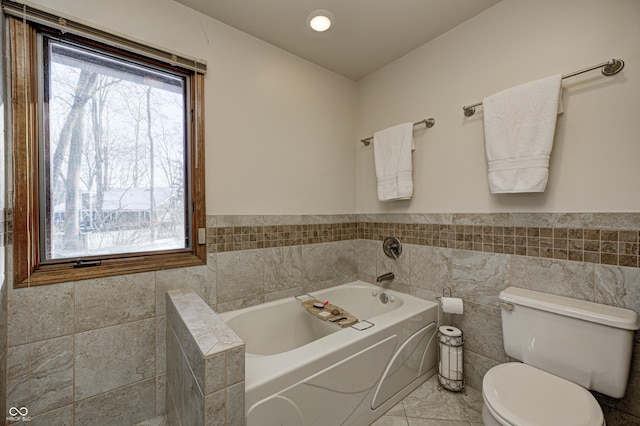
[(262, 369), (404, 297)]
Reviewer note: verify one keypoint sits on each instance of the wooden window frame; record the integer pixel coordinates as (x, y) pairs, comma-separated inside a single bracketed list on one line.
[(23, 93)]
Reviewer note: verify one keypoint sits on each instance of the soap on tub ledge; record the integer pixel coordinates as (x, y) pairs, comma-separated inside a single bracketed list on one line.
[(329, 312)]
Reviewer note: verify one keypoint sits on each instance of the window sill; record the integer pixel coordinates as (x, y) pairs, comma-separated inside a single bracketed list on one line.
[(51, 274)]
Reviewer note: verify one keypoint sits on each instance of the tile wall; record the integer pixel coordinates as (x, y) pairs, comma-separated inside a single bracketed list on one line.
[(93, 352), (589, 256), (5, 220), (479, 255), (264, 258), (3, 315), (101, 342), (205, 364)]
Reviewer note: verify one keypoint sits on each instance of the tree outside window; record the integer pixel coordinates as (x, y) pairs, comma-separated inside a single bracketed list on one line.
[(109, 177)]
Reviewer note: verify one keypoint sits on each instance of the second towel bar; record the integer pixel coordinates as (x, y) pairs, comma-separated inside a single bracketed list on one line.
[(430, 122)]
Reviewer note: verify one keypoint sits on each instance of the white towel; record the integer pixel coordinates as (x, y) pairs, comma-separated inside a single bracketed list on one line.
[(519, 126), (392, 153)]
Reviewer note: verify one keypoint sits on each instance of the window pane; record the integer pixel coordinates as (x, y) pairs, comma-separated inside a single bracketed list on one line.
[(115, 156)]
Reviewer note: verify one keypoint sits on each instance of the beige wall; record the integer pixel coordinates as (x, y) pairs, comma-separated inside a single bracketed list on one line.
[(282, 139), (282, 134), (594, 164), (278, 128)]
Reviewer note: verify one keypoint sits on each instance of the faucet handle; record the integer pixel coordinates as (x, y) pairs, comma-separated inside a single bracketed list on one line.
[(392, 247)]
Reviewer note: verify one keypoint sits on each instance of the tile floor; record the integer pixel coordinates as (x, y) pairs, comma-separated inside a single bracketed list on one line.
[(156, 421), (426, 406)]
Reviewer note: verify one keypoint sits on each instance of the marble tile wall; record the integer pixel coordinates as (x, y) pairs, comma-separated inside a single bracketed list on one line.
[(3, 315), (93, 351), (102, 342), (205, 364), (590, 256), (478, 275), (54, 331), (264, 258), (607, 238)]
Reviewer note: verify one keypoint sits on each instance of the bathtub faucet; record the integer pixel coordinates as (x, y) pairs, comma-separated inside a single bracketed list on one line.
[(385, 277)]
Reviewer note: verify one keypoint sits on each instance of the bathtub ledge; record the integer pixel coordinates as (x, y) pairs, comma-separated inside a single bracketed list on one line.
[(205, 377), (210, 333)]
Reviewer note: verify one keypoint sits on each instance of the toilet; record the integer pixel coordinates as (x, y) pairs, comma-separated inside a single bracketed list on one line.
[(566, 347)]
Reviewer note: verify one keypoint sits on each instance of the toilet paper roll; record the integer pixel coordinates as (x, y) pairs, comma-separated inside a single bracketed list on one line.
[(450, 331), (451, 362), (451, 352), (452, 305), (450, 335)]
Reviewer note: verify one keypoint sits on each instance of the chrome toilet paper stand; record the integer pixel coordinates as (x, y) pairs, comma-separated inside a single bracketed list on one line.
[(448, 346)]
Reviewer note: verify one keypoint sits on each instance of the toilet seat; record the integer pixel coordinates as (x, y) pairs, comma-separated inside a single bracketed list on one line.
[(521, 395)]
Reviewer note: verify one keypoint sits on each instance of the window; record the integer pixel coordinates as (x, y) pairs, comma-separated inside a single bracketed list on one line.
[(108, 158)]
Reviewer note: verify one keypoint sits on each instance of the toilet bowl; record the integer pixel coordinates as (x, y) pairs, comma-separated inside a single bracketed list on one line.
[(521, 395)]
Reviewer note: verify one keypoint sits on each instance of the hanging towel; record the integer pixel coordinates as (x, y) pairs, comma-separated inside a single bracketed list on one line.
[(519, 125), (392, 153)]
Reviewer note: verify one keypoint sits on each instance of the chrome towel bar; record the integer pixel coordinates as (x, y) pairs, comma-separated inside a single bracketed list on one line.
[(429, 122), (609, 68)]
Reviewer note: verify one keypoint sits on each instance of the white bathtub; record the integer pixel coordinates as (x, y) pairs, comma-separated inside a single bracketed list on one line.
[(301, 370)]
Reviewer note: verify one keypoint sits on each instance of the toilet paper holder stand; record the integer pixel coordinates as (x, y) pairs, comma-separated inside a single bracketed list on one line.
[(450, 346), (451, 372)]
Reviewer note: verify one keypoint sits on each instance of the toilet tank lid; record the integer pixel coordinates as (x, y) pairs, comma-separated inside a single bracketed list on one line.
[(581, 309)]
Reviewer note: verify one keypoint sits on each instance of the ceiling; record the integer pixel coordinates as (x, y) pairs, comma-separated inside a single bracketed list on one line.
[(366, 35)]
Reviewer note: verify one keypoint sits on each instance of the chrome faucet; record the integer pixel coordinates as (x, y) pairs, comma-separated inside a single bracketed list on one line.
[(385, 277)]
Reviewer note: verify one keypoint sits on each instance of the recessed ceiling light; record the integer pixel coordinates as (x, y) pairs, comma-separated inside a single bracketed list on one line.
[(320, 20)]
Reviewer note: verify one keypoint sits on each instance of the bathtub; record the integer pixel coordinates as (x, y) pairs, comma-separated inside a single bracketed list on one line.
[(301, 370)]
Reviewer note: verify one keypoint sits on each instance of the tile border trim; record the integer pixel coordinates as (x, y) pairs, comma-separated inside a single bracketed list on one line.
[(606, 238)]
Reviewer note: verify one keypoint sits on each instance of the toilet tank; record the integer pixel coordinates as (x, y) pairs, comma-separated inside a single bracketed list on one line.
[(587, 343)]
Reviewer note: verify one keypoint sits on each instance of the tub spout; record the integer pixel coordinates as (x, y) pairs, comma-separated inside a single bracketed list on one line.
[(385, 277)]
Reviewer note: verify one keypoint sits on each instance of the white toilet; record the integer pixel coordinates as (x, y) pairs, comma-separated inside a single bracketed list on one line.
[(566, 347)]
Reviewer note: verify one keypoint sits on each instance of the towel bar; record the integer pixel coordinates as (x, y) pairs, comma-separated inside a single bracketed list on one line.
[(609, 68), (430, 122)]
